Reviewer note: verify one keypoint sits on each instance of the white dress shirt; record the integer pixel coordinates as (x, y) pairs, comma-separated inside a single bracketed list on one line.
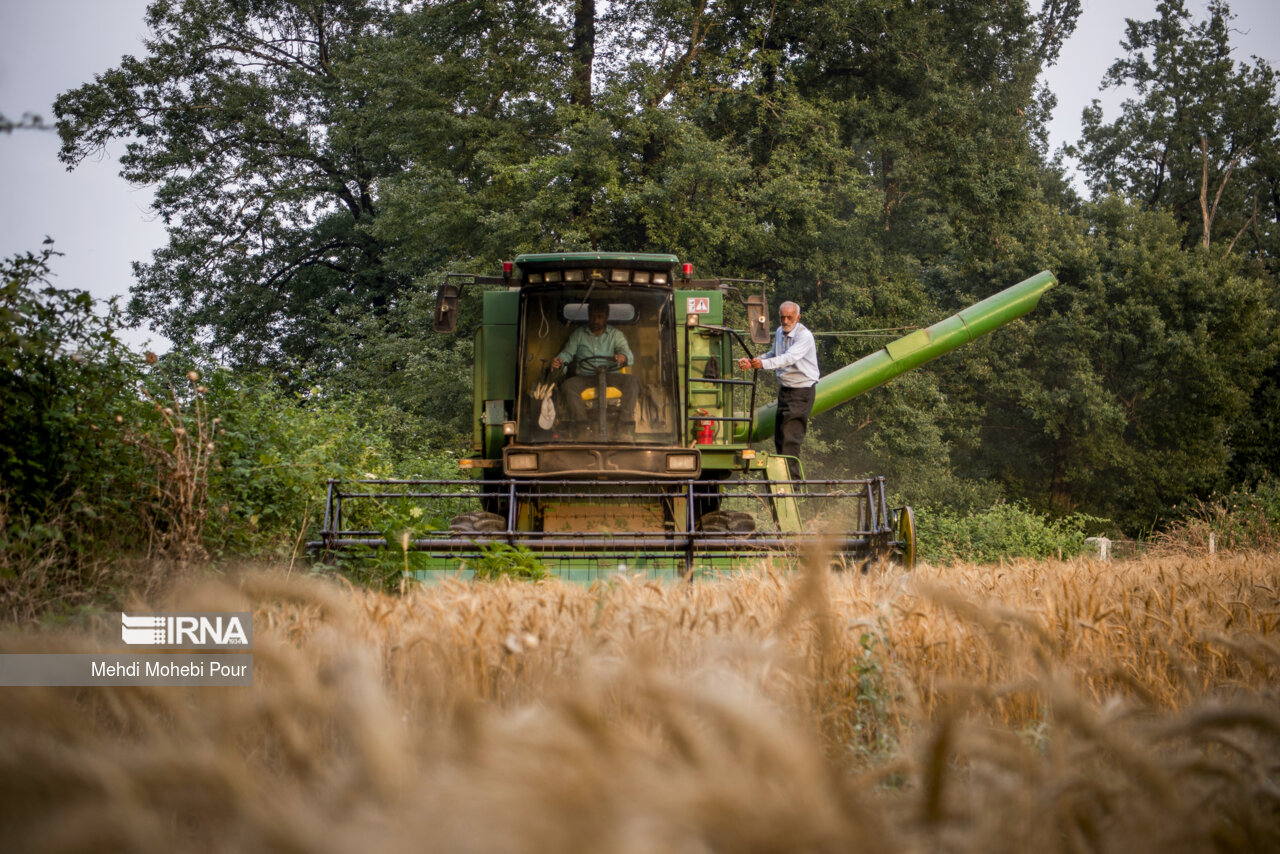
[(794, 356)]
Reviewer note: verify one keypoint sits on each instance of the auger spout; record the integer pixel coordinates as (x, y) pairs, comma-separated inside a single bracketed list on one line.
[(915, 349)]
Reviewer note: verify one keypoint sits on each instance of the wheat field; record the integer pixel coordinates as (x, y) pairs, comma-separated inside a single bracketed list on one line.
[(1062, 706)]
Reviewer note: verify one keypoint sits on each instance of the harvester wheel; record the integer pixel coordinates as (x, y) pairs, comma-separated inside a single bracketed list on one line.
[(463, 522), (477, 521), (728, 521), (714, 521), (904, 532)]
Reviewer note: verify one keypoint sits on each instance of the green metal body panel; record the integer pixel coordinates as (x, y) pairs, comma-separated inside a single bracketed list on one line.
[(784, 501), (731, 457), (494, 370), (700, 349), (915, 349), (712, 314)]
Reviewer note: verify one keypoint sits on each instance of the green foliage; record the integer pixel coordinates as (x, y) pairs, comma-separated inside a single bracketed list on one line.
[(1123, 392), (278, 450), (315, 158), (241, 116), (501, 560), (64, 379), (385, 571), (1002, 531), (67, 476), (176, 445), (412, 382), (29, 121), (1255, 437), (873, 732)]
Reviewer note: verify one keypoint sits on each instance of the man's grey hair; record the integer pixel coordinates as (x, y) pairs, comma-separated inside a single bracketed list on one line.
[(796, 306)]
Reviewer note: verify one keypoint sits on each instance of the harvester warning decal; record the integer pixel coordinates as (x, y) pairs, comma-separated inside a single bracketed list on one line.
[(697, 305)]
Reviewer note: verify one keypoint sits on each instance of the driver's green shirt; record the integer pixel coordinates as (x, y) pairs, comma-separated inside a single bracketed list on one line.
[(583, 345)]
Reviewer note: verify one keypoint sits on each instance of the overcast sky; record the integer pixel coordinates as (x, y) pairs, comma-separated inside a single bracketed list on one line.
[(101, 224)]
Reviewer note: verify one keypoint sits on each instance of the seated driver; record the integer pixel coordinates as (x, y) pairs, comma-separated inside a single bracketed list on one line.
[(592, 344)]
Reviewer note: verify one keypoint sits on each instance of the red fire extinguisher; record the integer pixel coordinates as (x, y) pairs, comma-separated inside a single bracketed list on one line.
[(706, 430)]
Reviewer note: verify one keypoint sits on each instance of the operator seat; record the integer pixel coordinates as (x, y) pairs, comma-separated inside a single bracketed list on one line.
[(612, 397)]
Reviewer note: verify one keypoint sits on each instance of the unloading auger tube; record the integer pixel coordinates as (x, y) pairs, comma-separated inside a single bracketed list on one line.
[(914, 350)]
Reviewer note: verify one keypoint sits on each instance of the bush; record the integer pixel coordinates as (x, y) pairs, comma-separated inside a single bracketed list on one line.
[(68, 480), (500, 560), (64, 380), (104, 453), (277, 451), (1002, 531), (1237, 521)]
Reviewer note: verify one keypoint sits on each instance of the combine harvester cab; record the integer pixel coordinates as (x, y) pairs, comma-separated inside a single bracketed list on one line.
[(651, 467)]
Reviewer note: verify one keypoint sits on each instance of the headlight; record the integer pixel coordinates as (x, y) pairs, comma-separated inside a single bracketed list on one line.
[(522, 462), (682, 462)]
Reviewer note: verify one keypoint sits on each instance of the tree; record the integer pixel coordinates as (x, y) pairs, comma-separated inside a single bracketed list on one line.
[(1125, 396), (1201, 137), (874, 162), (241, 115), (1201, 140), (314, 157)]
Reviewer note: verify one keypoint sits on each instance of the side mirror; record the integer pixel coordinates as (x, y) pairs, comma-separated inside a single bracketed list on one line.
[(446, 308), (758, 319)]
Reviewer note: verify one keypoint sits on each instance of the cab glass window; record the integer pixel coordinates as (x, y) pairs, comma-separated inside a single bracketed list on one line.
[(560, 404)]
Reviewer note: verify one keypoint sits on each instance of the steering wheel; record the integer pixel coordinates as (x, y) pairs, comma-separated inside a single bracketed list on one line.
[(592, 365)]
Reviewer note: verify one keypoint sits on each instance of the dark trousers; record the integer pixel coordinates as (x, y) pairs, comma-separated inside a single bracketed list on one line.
[(792, 423)]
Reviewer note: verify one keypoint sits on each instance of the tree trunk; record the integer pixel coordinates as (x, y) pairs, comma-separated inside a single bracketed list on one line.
[(584, 52), (1060, 489)]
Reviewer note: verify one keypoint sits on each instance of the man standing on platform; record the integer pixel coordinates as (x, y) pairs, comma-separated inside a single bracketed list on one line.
[(795, 357)]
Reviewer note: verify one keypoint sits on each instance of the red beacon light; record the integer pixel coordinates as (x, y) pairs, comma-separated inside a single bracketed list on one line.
[(686, 270), (507, 268)]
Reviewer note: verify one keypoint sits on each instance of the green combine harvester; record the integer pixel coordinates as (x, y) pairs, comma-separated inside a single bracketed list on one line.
[(676, 482)]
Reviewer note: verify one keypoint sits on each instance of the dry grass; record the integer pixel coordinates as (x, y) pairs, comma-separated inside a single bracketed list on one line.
[(43, 570), (1049, 707), (178, 456)]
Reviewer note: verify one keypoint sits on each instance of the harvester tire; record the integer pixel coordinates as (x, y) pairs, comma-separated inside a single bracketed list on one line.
[(463, 522), (728, 521), (477, 521)]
